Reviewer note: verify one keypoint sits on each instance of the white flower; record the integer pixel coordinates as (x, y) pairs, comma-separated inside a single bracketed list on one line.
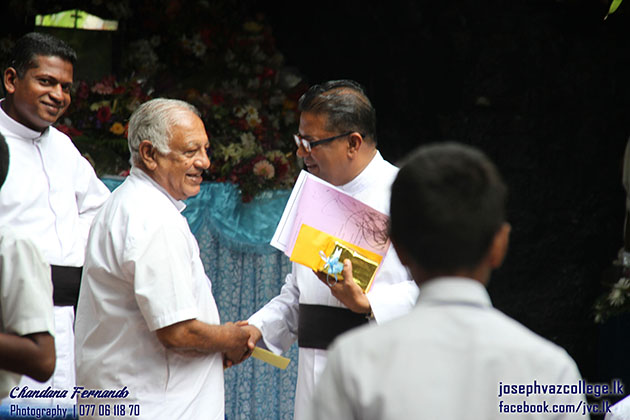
[(253, 120), (616, 297), (198, 47), (275, 154), (619, 292), (240, 111), (233, 151), (250, 146), (623, 283), (250, 112), (248, 139), (264, 169)]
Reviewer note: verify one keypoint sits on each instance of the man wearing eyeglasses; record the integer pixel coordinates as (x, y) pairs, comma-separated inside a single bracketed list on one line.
[(337, 142)]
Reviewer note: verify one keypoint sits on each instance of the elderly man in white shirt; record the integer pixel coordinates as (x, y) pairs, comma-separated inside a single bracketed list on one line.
[(453, 357), (51, 193), (337, 141), (147, 322)]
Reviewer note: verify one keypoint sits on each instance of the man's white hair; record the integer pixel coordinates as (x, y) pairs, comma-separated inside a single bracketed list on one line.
[(153, 121)]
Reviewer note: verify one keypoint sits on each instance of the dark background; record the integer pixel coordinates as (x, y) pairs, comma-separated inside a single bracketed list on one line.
[(541, 86)]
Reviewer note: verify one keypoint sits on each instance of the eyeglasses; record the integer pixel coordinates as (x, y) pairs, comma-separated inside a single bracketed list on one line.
[(308, 145)]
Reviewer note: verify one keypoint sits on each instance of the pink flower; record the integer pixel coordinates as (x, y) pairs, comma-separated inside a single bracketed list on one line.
[(264, 169), (105, 86)]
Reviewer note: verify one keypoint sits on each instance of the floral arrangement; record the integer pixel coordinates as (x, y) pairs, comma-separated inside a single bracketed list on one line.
[(97, 121), (616, 299), (248, 138), (225, 65), (210, 54), (231, 70)]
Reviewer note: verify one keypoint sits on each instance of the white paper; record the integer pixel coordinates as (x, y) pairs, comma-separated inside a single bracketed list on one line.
[(282, 236)]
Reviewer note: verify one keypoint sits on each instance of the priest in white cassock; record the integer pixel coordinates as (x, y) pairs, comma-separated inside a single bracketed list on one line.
[(337, 141), (51, 193)]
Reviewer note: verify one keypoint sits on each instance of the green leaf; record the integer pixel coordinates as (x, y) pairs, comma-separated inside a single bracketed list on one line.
[(613, 6)]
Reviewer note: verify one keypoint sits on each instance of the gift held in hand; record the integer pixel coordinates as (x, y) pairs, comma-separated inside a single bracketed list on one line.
[(325, 253)]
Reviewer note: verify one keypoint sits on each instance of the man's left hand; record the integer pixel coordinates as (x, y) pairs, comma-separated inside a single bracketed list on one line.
[(346, 290)]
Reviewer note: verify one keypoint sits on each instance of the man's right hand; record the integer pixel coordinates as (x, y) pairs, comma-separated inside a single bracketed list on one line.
[(254, 334), (241, 351), (236, 341)]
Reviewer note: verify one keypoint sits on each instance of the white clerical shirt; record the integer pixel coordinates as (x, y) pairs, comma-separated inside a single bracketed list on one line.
[(51, 192), (392, 294), (143, 272)]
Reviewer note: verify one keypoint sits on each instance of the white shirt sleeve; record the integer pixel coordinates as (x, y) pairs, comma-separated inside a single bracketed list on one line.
[(25, 287), (163, 267), (568, 374), (278, 319), (394, 292)]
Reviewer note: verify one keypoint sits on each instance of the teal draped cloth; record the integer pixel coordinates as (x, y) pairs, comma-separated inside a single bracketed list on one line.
[(246, 272)]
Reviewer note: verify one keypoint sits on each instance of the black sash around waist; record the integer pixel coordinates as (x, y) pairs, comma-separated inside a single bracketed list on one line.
[(66, 282), (320, 324)]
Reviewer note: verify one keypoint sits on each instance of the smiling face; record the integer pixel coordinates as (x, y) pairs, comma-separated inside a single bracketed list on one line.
[(42, 95), (180, 171), (329, 161)]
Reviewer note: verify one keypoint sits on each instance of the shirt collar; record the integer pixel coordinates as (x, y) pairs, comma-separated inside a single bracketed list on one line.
[(454, 290), (365, 177), (17, 129), (142, 175)]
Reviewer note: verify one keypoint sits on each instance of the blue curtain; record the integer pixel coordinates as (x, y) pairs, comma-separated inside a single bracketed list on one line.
[(246, 272)]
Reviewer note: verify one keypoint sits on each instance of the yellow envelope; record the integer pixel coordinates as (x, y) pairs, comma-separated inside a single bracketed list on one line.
[(311, 241), (271, 358)]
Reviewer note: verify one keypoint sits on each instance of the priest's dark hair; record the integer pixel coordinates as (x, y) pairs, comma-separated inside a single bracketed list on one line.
[(4, 160), (28, 47), (346, 105), (447, 203)]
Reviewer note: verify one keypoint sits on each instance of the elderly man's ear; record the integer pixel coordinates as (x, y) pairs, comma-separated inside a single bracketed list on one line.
[(148, 155)]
